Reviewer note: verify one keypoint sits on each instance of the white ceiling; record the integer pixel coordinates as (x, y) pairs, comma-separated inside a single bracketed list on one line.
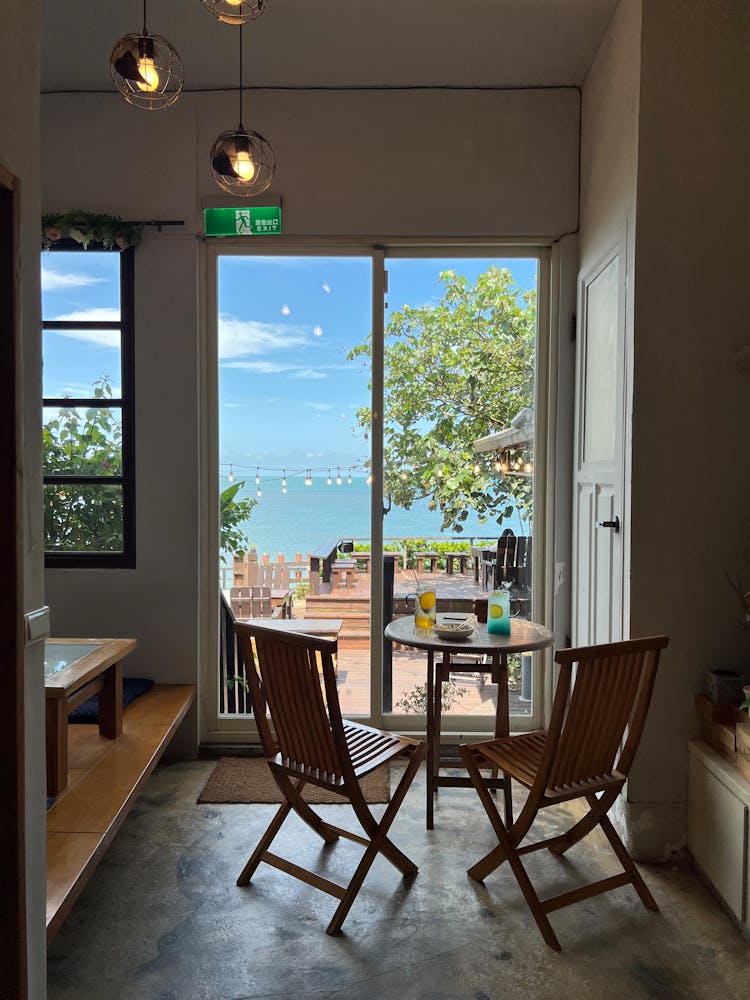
[(338, 43)]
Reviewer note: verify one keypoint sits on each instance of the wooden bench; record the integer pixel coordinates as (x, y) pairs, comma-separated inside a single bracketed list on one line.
[(462, 558), (426, 557), (105, 777), (344, 573)]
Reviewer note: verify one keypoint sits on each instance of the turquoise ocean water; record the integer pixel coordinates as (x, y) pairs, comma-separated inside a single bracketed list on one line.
[(308, 516)]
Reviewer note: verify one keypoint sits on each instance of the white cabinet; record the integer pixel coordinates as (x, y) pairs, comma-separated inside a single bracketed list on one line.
[(718, 801)]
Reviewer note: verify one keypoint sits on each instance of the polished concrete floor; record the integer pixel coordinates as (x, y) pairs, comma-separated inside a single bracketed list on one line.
[(162, 919)]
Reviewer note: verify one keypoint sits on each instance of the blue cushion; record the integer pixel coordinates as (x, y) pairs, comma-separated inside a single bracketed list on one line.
[(132, 687)]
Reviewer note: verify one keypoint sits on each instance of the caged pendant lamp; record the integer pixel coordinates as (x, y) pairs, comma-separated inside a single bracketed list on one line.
[(147, 70), (236, 11), (242, 161)]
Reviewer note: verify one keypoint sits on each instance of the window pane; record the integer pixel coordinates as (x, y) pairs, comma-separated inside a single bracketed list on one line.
[(78, 362), (82, 442), (83, 285), (82, 518)]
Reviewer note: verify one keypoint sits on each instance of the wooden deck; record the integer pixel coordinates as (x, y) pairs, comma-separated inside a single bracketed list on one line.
[(352, 605)]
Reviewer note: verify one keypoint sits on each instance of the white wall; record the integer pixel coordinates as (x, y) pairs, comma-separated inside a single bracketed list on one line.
[(691, 407), (349, 163), (19, 153)]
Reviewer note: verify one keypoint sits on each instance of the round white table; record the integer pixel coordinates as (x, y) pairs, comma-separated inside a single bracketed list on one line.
[(525, 637)]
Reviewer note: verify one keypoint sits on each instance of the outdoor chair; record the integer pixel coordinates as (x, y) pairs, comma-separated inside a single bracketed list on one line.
[(253, 602), (582, 755), (314, 745)]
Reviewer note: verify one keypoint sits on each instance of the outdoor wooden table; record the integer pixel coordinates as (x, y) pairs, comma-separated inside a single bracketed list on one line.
[(478, 554), (308, 626), (362, 557), (525, 636), (462, 558), (74, 671)]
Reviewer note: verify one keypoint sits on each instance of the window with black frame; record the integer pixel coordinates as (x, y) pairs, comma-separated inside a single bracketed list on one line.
[(88, 416)]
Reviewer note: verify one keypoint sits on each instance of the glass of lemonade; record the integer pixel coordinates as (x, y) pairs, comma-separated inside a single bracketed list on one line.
[(425, 601)]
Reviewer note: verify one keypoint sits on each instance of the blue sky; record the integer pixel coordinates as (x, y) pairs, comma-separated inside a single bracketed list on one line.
[(288, 396)]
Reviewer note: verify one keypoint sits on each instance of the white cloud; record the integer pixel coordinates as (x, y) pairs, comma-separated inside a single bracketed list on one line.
[(326, 287), (285, 310), (53, 281), (260, 367), (319, 407), (238, 337), (318, 331), (100, 338), (77, 390), (309, 373)]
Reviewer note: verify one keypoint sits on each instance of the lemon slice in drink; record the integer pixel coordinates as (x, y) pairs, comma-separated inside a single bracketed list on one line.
[(427, 601), (496, 611)]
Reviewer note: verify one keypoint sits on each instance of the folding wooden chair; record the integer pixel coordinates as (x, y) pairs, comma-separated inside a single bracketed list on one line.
[(313, 746), (574, 759)]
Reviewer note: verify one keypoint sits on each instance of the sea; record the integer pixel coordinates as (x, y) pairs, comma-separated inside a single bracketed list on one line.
[(306, 517)]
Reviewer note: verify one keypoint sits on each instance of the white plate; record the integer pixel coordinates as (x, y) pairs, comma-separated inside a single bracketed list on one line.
[(459, 629)]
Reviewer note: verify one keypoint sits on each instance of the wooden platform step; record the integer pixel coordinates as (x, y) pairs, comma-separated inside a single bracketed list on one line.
[(104, 780)]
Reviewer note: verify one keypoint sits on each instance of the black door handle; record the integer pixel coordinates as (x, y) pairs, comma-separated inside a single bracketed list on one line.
[(615, 525)]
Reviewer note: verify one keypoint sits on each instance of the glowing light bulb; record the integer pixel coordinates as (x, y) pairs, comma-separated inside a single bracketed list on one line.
[(148, 71), (283, 489), (528, 468), (499, 467), (243, 165), (477, 468), (369, 480), (283, 480), (308, 479), (234, 3), (260, 492), (230, 477), (329, 481), (257, 477), (338, 478)]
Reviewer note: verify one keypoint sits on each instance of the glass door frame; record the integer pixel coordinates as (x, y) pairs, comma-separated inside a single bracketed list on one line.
[(214, 729)]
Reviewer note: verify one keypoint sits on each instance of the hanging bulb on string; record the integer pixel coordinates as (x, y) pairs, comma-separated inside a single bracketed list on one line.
[(257, 476), (477, 468), (259, 492), (369, 480), (283, 481), (349, 478), (308, 479), (283, 489), (329, 481), (528, 468), (338, 478), (230, 477), (498, 465)]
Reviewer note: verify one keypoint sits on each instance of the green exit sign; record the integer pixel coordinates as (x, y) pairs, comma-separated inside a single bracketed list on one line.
[(250, 220)]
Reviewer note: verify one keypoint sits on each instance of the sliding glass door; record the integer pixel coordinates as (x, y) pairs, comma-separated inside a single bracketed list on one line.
[(368, 403)]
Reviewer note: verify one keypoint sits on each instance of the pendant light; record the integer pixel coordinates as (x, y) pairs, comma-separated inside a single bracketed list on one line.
[(242, 162), (147, 70), (236, 11)]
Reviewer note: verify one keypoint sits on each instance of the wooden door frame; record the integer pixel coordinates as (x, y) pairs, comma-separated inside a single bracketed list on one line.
[(13, 943)]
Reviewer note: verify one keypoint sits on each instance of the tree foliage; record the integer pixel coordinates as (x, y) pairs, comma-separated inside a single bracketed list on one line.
[(80, 517), (455, 372), (232, 513)]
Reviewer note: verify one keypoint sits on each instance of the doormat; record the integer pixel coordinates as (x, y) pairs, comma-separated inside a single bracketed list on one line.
[(240, 780)]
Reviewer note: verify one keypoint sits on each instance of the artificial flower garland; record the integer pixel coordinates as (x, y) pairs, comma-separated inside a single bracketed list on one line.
[(108, 231)]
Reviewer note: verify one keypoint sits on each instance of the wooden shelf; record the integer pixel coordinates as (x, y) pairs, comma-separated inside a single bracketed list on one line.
[(104, 779)]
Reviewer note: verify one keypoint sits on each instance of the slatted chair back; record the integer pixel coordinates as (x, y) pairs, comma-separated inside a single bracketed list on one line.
[(287, 680), (610, 696), (251, 602)]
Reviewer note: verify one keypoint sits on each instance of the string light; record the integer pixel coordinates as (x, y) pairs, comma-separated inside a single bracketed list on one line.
[(259, 492), (349, 478), (338, 478), (308, 479), (283, 481), (369, 480), (257, 476), (329, 481), (230, 477), (499, 466), (477, 468)]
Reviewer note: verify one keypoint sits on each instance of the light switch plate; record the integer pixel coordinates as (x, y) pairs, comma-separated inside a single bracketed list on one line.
[(37, 624)]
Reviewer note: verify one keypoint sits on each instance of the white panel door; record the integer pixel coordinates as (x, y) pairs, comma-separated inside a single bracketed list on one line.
[(599, 455)]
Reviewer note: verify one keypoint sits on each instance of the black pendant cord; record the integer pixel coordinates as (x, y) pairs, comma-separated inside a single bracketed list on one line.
[(242, 127), (145, 29)]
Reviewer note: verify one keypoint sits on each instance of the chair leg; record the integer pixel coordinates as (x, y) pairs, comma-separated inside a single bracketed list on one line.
[(379, 842), (263, 844), (507, 850), (627, 863), (292, 793)]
